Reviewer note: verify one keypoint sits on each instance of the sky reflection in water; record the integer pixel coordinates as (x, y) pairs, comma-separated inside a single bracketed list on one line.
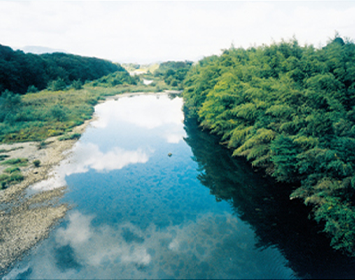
[(140, 213)]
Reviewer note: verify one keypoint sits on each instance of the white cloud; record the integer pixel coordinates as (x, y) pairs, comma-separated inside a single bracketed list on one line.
[(166, 30)]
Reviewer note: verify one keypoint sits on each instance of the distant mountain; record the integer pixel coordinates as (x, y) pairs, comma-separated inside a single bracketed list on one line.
[(40, 50)]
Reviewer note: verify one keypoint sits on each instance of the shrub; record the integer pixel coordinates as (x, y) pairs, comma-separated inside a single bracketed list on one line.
[(77, 84), (2, 157), (2, 185), (42, 145), (56, 85), (3, 181), (36, 162), (92, 101), (174, 83), (58, 113), (10, 104), (32, 89)]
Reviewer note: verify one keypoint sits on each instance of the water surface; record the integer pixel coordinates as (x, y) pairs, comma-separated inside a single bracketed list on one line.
[(154, 197)]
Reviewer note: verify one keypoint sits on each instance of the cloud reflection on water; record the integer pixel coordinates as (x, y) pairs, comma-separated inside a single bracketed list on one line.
[(214, 245), (150, 112), (89, 155)]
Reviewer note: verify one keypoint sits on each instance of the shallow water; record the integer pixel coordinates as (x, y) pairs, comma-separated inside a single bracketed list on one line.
[(154, 197)]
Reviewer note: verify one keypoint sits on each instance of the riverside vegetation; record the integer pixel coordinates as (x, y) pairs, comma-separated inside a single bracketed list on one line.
[(290, 110)]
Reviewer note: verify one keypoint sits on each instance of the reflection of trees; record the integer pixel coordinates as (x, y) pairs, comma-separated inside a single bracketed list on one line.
[(265, 205)]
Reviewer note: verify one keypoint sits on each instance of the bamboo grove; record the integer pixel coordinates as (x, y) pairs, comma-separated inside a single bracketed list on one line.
[(290, 110)]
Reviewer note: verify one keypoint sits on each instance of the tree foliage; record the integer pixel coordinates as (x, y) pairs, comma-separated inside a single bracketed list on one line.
[(290, 110)]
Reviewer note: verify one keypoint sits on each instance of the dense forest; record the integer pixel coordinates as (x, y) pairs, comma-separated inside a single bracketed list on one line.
[(20, 72), (290, 110)]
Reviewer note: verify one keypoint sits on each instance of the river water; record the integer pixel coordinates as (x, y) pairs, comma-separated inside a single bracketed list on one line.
[(153, 196)]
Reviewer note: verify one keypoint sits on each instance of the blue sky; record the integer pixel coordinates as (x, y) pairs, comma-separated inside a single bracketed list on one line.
[(149, 31)]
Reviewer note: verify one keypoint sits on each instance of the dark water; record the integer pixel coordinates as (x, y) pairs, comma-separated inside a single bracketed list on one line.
[(140, 213)]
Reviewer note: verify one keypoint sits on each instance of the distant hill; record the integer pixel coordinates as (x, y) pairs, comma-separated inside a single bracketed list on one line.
[(40, 50), (19, 70)]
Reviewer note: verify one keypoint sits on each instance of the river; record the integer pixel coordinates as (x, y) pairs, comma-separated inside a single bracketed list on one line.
[(153, 196)]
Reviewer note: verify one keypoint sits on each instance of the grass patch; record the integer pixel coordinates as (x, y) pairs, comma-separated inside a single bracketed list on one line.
[(10, 150), (6, 180), (4, 177), (11, 170), (16, 161), (16, 177), (14, 174)]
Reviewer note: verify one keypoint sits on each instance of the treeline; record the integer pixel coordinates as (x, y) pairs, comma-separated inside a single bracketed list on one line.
[(291, 111), (173, 72), (19, 71)]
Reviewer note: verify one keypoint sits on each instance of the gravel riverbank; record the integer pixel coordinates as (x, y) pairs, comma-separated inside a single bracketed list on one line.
[(25, 220)]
